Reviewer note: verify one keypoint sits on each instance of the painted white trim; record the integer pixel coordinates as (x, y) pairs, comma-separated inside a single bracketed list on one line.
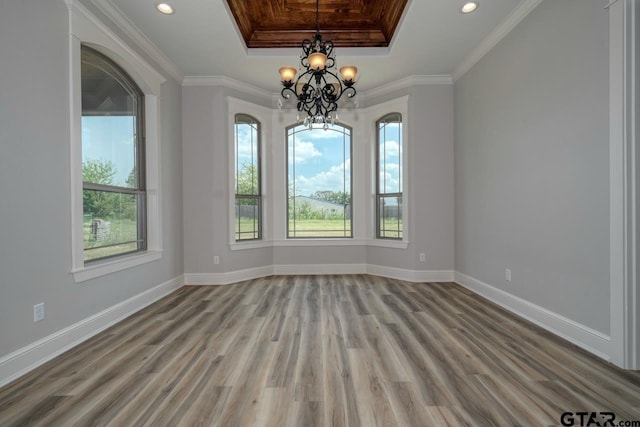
[(610, 4), (616, 180), (23, 360), (318, 269), (229, 83), (227, 278), (84, 27), (388, 243), (583, 336), (91, 271), (623, 190), (142, 41), (88, 28), (301, 242), (251, 244), (416, 276), (264, 116), (372, 114), (494, 37), (232, 277), (404, 83)]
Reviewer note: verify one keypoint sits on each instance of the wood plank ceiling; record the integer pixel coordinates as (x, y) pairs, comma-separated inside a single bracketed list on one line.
[(347, 23)]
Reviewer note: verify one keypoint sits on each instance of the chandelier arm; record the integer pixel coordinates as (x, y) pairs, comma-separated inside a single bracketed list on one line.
[(331, 62), (328, 47), (286, 95), (350, 91)]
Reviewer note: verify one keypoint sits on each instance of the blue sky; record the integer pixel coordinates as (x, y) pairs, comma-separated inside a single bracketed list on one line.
[(321, 161), (390, 158), (110, 138)]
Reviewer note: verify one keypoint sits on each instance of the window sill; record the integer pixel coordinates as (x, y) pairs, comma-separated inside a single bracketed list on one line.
[(254, 244), (320, 242), (113, 265), (383, 243), (300, 242), (296, 242)]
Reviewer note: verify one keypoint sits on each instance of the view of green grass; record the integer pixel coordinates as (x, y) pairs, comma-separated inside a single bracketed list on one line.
[(391, 228), (120, 230), (319, 228)]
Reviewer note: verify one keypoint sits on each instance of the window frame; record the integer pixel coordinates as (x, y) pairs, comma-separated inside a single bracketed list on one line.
[(265, 116), (379, 195), (373, 113), (351, 185), (139, 191), (85, 28), (257, 196)]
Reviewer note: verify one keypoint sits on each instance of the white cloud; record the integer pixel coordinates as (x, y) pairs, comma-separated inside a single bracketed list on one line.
[(390, 178), (392, 148), (246, 145), (332, 180), (304, 151)]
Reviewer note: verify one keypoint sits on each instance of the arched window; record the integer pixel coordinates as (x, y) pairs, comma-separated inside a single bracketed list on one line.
[(319, 182), (248, 209), (389, 177), (113, 153)]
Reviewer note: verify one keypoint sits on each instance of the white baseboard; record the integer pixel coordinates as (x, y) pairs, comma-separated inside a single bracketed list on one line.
[(314, 269), (583, 336), (30, 357), (416, 276), (227, 278)]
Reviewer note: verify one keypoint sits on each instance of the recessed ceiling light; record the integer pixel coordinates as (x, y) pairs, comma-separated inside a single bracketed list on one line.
[(469, 6), (165, 8)]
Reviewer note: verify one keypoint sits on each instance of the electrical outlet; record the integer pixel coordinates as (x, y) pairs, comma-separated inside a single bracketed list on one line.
[(216, 259), (38, 312), (423, 257), (507, 274)]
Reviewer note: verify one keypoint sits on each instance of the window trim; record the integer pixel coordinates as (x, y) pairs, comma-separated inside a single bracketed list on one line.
[(140, 189), (85, 28), (374, 114), (264, 116), (257, 196), (351, 225), (377, 166), (362, 122)]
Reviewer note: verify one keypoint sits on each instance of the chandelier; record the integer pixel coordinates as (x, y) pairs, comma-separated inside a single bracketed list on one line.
[(318, 87)]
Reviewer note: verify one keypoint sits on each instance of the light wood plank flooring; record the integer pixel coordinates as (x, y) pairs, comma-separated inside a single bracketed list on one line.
[(320, 351)]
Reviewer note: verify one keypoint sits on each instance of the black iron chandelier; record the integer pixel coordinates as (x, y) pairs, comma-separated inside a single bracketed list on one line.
[(318, 88)]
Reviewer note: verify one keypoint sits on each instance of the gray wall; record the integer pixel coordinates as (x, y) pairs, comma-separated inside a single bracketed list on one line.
[(35, 226), (206, 186), (532, 164), (431, 199)]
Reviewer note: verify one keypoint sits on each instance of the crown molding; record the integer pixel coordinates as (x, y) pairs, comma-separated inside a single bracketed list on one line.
[(494, 37), (133, 32), (410, 81), (226, 82), (437, 79)]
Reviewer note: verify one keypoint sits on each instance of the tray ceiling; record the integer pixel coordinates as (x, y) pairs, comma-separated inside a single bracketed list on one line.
[(285, 23)]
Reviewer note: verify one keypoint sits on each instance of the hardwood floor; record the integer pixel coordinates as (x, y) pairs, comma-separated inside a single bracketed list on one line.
[(320, 351)]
